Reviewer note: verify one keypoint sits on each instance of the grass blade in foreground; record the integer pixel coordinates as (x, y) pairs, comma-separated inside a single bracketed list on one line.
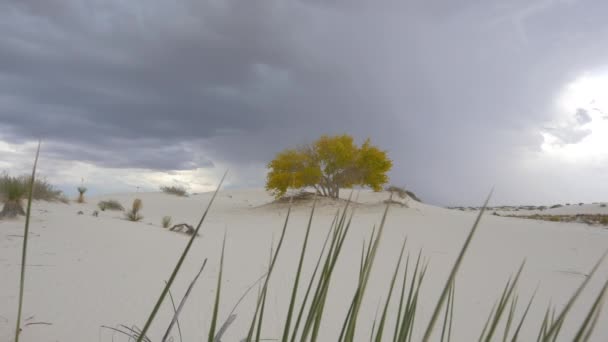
[(446, 289), (554, 328), (298, 273), (181, 304), (24, 249), (178, 265), (388, 297), (216, 306)]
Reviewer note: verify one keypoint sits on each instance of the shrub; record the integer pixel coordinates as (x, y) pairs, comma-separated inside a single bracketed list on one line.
[(604, 220), (133, 213), (13, 191), (328, 164), (42, 190), (396, 190), (174, 190), (556, 206), (81, 190), (166, 221), (110, 205), (603, 205)]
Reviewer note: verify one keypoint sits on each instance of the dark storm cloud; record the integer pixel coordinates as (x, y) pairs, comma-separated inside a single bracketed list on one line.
[(453, 91)]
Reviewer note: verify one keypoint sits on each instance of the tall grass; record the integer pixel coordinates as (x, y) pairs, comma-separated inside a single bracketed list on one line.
[(26, 234)]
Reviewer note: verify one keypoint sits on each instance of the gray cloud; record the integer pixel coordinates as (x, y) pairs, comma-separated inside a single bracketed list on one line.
[(455, 92)]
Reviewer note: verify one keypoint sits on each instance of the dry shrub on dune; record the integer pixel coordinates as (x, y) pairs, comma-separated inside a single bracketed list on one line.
[(174, 190), (13, 190), (133, 214), (110, 205)]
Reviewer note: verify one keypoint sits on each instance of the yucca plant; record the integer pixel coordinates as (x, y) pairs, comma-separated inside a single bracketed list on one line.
[(12, 192), (133, 213), (81, 190)]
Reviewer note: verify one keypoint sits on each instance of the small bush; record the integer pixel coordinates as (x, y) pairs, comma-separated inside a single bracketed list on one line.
[(174, 190), (603, 205), (554, 219), (81, 190), (110, 205), (604, 220), (43, 190), (133, 213), (13, 190), (166, 221), (556, 206), (396, 190)]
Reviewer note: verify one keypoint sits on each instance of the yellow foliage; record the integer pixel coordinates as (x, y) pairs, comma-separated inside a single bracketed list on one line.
[(330, 163)]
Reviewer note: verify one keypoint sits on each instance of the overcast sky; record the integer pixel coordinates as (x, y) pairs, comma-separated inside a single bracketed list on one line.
[(465, 95)]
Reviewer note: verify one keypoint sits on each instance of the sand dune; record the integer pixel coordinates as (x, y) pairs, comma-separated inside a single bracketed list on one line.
[(85, 271)]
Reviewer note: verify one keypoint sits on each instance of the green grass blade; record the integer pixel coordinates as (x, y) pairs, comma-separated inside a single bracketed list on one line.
[(591, 317), (350, 331), (218, 290), (180, 261), (556, 326), (271, 267), (410, 305), (26, 234), (312, 278), (523, 318), (182, 302), (294, 291), (510, 318), (401, 298), (179, 328), (446, 317), (389, 295), (264, 294), (451, 312), (502, 304), (444, 293)]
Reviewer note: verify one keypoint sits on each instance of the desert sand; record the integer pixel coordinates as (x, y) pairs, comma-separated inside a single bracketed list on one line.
[(84, 271)]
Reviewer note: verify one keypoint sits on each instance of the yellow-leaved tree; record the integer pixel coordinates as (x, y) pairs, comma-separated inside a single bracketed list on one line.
[(329, 164)]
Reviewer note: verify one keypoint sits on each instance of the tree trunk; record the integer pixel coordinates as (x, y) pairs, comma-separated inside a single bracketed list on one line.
[(12, 209)]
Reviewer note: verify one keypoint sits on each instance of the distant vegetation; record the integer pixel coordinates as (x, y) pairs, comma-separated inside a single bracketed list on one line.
[(81, 190), (174, 190), (14, 189), (133, 213), (110, 205), (329, 164)]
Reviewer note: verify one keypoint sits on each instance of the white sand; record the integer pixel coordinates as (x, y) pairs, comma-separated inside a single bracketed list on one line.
[(85, 271)]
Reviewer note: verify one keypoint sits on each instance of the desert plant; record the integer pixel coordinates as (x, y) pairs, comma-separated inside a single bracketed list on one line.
[(166, 221), (13, 191), (26, 234), (397, 191), (329, 164), (110, 205), (133, 214), (174, 190), (81, 190)]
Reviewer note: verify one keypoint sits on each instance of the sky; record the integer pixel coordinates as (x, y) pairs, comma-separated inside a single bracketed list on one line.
[(464, 95)]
